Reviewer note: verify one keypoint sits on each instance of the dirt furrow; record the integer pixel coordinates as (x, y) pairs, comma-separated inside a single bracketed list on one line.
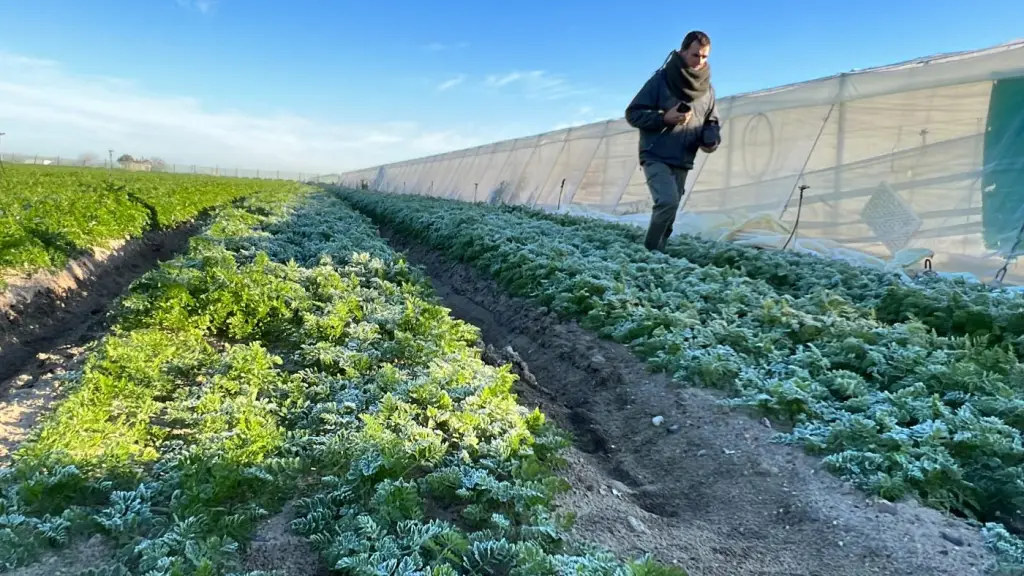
[(663, 469)]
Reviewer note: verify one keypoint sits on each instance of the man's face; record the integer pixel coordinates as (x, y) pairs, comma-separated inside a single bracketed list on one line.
[(696, 56)]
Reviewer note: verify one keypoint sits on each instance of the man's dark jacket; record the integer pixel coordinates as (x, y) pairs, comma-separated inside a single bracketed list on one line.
[(676, 146)]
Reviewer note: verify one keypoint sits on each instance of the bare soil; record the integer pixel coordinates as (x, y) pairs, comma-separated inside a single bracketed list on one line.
[(95, 553), (276, 549), (705, 489)]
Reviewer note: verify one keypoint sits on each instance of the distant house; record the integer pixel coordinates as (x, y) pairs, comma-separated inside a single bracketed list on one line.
[(138, 164)]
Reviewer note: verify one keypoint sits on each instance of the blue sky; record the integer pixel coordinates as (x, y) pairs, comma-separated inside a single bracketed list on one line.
[(328, 86)]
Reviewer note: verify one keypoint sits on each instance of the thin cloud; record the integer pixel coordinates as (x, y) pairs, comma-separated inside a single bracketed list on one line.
[(536, 84), (451, 83), (25, 61), (506, 79), (47, 110)]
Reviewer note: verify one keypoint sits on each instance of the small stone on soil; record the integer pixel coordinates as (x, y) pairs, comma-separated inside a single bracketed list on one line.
[(673, 428), (886, 507), (952, 538), (637, 525), (767, 423), (619, 488), (658, 420), (52, 367)]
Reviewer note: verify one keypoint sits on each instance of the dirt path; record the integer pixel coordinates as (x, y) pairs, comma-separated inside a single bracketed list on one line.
[(277, 550), (704, 489)]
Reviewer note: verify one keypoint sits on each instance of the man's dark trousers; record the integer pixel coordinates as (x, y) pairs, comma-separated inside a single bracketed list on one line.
[(666, 184)]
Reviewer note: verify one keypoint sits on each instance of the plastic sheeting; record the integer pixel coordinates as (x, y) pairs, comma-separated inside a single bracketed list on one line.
[(923, 159)]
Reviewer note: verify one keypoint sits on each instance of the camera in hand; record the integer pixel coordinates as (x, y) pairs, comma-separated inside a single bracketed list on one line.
[(683, 108)]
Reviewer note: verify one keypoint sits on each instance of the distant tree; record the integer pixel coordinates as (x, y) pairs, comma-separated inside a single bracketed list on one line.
[(87, 159), (125, 159), (158, 164)]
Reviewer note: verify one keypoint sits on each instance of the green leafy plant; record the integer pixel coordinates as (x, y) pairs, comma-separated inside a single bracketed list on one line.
[(291, 355), (928, 407), (49, 215)]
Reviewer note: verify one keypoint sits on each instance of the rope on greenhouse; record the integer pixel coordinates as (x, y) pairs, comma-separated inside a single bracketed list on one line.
[(799, 208), (1001, 273)]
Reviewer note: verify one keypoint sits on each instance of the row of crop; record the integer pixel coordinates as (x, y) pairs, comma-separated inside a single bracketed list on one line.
[(952, 307), (48, 215), (893, 407), (790, 273), (290, 352)]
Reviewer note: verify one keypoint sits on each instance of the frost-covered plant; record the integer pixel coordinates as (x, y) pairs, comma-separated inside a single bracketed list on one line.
[(926, 402), (288, 355)]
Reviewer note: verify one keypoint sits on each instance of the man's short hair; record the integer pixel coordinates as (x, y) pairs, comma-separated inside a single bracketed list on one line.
[(696, 36)]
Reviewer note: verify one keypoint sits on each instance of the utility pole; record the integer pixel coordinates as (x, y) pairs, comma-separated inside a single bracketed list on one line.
[(2, 169)]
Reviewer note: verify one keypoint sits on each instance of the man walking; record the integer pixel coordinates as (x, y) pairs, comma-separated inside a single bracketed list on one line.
[(675, 114)]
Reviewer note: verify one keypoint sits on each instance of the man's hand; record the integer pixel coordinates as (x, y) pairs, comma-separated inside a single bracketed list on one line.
[(709, 149), (674, 117)]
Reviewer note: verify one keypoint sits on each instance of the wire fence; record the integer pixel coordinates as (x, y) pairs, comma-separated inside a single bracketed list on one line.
[(90, 161)]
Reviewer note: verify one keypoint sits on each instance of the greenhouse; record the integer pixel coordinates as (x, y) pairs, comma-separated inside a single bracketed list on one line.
[(914, 164)]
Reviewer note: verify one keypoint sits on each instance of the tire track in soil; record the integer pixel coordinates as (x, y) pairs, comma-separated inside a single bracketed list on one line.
[(706, 490)]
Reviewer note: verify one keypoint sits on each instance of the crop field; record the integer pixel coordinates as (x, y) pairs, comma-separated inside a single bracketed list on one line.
[(905, 391), (289, 351), (49, 215), (347, 382)]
